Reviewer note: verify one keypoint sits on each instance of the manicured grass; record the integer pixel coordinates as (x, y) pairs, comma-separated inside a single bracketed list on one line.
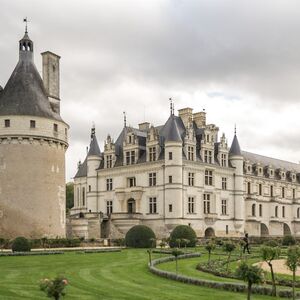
[(119, 276)]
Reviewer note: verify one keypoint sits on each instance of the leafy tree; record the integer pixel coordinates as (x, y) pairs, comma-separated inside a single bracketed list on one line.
[(176, 253), (229, 248), (293, 261), (250, 274), (149, 251), (3, 243), (69, 195), (268, 254), (185, 242), (210, 246), (54, 288)]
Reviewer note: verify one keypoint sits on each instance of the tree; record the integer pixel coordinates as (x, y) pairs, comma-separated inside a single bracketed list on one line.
[(69, 195), (185, 242), (250, 274), (268, 254), (176, 253), (228, 247), (292, 262), (210, 246)]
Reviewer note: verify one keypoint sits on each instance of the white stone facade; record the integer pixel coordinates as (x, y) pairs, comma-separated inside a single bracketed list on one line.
[(198, 181)]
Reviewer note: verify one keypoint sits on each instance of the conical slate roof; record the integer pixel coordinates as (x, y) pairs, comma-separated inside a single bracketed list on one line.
[(94, 146), (235, 148), (24, 93), (172, 130)]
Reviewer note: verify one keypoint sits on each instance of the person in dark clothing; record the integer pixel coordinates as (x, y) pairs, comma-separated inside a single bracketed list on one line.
[(246, 244)]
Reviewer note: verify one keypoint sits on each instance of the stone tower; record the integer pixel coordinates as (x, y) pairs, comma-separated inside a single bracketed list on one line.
[(237, 161), (33, 141)]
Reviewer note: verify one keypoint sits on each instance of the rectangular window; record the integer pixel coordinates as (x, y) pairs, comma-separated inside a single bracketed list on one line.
[(224, 183), (55, 127), (191, 179), (282, 192), (108, 161), (249, 188), (7, 123), (224, 207), (206, 203), (190, 153), (132, 157), (191, 205), (109, 207), (152, 153), (208, 156), (131, 181), (260, 189), (208, 177), (32, 123), (127, 158), (152, 205), (90, 188), (271, 191), (152, 179), (170, 155), (223, 160), (260, 210), (83, 196), (283, 211), (170, 207), (109, 184), (170, 179), (294, 194), (227, 229)]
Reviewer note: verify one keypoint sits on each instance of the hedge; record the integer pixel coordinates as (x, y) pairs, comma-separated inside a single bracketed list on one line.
[(98, 251), (182, 232), (20, 244), (140, 236), (233, 287), (30, 253)]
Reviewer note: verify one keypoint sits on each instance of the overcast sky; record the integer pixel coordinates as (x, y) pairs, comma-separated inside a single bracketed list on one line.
[(240, 60)]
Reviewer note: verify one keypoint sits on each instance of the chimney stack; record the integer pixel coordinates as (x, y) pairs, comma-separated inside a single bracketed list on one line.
[(51, 79)]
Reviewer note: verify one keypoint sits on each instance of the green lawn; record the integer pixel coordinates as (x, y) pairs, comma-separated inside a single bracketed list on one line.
[(100, 276)]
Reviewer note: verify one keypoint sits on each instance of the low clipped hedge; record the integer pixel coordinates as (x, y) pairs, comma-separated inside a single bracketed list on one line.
[(140, 236), (227, 286), (20, 244), (182, 232), (30, 253), (87, 251)]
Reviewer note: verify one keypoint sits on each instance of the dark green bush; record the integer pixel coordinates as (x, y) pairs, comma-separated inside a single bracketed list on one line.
[(21, 244), (181, 232), (271, 243), (140, 236), (288, 240)]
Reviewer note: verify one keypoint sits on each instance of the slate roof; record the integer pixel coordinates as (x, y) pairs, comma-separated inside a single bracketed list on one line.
[(235, 148), (24, 93), (276, 163), (94, 147), (173, 130), (82, 169)]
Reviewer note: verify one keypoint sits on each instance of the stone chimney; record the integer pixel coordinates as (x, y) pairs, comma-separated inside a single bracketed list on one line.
[(51, 79), (186, 115), (200, 119), (144, 126)]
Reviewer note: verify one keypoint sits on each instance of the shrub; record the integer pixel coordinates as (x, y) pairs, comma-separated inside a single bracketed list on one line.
[(181, 232), (21, 244), (54, 288), (271, 243), (139, 236), (288, 240)]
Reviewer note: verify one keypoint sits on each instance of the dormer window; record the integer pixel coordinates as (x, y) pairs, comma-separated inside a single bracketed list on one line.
[(108, 161), (7, 123), (152, 153), (130, 157), (129, 139), (208, 156), (190, 153), (223, 160), (249, 168)]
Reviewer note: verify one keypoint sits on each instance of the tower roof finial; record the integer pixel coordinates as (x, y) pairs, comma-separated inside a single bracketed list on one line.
[(171, 105), (26, 23), (124, 115), (234, 129), (93, 130)]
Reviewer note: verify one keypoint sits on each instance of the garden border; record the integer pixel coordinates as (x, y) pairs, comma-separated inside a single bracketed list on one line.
[(228, 286)]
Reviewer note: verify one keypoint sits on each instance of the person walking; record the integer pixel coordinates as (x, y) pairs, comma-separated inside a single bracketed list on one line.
[(246, 244)]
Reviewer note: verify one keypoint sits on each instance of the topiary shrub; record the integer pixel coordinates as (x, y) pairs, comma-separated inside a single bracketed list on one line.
[(181, 232), (288, 240), (21, 244), (140, 236)]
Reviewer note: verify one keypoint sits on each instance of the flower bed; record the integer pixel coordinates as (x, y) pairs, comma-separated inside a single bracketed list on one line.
[(228, 286)]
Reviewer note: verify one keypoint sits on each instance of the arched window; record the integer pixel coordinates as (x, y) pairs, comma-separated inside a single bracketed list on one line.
[(253, 210), (276, 211)]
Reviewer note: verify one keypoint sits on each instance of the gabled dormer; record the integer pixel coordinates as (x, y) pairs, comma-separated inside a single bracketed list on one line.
[(223, 151), (248, 167), (291, 176), (152, 144), (130, 147), (208, 141), (269, 171), (258, 169), (281, 174), (190, 142), (109, 153)]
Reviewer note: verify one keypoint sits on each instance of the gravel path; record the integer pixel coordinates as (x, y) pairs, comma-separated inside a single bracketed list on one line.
[(278, 266)]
